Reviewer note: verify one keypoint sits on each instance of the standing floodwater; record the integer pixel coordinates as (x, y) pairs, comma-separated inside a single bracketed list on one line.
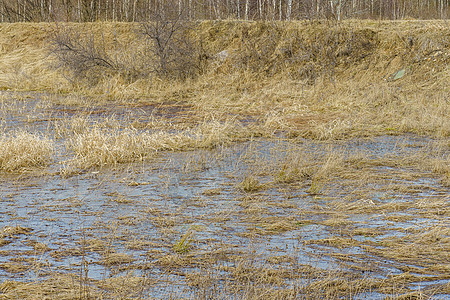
[(282, 214)]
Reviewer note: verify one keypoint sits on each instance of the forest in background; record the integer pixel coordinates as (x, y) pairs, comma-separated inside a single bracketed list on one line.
[(145, 10)]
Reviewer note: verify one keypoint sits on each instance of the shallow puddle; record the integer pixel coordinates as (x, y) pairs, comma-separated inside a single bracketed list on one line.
[(141, 210), (279, 205)]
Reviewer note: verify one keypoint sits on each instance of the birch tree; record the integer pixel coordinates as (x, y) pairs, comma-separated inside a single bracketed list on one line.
[(289, 10)]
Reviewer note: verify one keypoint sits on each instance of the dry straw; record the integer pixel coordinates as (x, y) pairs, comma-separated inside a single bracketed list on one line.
[(317, 80), (100, 147), (24, 150)]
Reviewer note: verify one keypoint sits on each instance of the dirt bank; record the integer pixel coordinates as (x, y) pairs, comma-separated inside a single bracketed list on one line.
[(312, 79)]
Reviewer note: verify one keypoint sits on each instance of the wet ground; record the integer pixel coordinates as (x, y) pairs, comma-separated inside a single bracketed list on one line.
[(183, 213)]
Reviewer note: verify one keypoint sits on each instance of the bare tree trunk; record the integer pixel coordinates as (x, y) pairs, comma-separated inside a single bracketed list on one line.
[(339, 9), (260, 9), (274, 9), (114, 10), (246, 9), (50, 9), (289, 10), (263, 8), (42, 10), (106, 10), (210, 10), (318, 7), (125, 8), (238, 9), (91, 12), (190, 10), (394, 10), (80, 12), (404, 10), (280, 10), (216, 9)]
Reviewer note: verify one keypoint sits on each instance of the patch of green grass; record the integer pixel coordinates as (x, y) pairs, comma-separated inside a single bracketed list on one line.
[(184, 244)]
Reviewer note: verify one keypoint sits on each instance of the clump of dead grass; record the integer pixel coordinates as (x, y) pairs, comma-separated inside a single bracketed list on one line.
[(442, 167), (297, 165), (75, 125), (11, 231), (99, 147), (332, 164), (58, 285), (250, 183), (23, 150)]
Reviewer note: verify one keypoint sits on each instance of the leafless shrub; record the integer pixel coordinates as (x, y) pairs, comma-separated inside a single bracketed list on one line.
[(82, 55), (168, 49), (172, 48)]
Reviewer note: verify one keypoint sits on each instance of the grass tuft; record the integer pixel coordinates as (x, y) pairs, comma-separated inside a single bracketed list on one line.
[(250, 184), (184, 244), (21, 151)]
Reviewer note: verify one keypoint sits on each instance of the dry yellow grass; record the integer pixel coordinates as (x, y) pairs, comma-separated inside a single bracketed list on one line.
[(318, 80), (98, 147), (442, 167), (24, 60), (275, 81), (24, 150)]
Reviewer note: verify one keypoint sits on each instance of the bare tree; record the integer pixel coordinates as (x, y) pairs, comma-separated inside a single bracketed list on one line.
[(81, 54), (289, 10), (144, 10), (172, 48)]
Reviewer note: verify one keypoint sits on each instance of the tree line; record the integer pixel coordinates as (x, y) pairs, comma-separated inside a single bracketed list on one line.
[(145, 10)]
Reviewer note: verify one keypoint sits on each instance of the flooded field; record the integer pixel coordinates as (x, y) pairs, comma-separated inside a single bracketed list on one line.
[(249, 216)]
